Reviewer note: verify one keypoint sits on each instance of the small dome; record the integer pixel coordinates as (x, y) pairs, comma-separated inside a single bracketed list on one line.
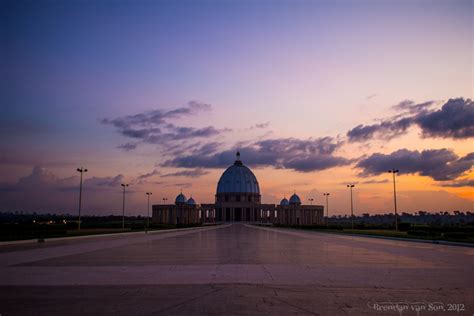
[(191, 201), (295, 199), (284, 202), (180, 199)]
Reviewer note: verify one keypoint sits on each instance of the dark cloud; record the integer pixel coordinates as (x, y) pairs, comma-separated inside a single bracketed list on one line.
[(95, 183), (158, 117), (217, 160), (39, 175), (392, 127), (412, 107), (181, 147), (262, 125), (459, 183), (439, 164), (154, 127), (375, 181), (128, 146), (258, 126), (344, 183), (314, 163), (455, 119), (291, 153), (149, 174), (180, 133), (141, 179), (89, 184), (180, 185), (207, 149), (385, 130), (195, 173)]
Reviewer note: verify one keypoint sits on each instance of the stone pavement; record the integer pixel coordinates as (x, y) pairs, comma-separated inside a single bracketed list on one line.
[(236, 269)]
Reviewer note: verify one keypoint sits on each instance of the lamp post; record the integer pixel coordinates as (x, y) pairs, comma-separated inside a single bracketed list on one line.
[(350, 186), (124, 185), (394, 172), (164, 200), (148, 211), (311, 200), (327, 204), (81, 170)]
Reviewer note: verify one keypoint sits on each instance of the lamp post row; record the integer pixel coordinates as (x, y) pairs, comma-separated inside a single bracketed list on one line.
[(82, 170), (352, 185), (393, 172)]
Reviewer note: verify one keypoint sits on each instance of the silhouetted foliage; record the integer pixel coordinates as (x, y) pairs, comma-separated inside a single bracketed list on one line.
[(14, 226)]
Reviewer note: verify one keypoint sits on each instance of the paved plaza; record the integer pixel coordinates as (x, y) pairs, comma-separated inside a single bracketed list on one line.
[(235, 269)]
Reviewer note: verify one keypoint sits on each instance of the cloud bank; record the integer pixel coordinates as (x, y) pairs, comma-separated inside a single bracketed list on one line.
[(194, 173), (455, 119), (439, 164), (156, 127), (291, 153)]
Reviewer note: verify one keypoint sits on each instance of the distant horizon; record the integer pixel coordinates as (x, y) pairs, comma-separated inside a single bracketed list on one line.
[(330, 216)]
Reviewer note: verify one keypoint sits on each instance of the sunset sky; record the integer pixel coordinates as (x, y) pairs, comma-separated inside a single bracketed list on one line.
[(161, 94)]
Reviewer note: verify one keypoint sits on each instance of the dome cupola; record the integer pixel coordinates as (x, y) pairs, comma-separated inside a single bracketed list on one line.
[(237, 161), (284, 202), (180, 199), (295, 200)]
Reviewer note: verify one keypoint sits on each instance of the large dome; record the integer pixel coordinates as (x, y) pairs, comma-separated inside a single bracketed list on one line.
[(238, 179)]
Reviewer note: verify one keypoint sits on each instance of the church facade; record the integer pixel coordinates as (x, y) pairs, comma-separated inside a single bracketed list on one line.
[(238, 199)]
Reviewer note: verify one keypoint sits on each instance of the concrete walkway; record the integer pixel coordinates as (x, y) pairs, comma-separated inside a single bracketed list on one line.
[(235, 269)]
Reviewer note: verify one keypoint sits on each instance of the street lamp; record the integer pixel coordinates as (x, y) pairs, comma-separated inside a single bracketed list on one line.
[(327, 204), (164, 200), (311, 200), (81, 170), (124, 185), (352, 205), (148, 210), (394, 172)]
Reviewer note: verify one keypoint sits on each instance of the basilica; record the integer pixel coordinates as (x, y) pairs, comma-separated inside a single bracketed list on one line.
[(238, 199)]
